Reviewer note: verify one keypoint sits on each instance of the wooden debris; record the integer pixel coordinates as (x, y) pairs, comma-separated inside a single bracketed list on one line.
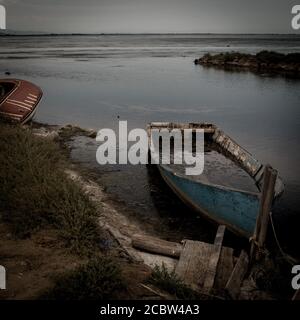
[(193, 263), (262, 222), (206, 268), (157, 292), (224, 269), (220, 235), (296, 296), (155, 245), (214, 260), (233, 285)]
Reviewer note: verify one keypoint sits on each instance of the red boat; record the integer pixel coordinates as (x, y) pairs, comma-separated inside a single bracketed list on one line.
[(18, 100)]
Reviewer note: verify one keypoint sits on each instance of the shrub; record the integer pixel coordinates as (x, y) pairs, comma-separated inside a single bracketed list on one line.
[(168, 281), (99, 279)]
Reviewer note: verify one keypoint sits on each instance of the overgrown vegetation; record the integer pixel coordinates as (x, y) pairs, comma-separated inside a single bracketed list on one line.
[(168, 281), (270, 57), (274, 61), (35, 191), (99, 279)]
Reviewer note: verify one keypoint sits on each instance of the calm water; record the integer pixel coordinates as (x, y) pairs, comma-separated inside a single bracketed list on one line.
[(94, 81)]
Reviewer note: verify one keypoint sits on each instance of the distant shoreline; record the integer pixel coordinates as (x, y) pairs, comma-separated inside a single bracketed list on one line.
[(29, 34)]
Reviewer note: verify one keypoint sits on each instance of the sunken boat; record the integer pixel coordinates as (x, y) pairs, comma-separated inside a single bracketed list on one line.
[(229, 188), (19, 100)]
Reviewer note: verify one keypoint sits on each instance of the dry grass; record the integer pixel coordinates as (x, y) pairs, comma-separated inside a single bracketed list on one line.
[(36, 193), (99, 279)]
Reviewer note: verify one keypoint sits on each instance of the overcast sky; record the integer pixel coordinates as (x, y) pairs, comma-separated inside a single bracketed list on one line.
[(138, 16)]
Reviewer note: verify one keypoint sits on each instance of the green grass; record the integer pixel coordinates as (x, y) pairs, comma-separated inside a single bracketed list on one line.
[(169, 282), (99, 279), (36, 193)]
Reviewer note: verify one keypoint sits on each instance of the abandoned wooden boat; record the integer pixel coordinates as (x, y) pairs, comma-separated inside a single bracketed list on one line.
[(228, 190), (18, 100)]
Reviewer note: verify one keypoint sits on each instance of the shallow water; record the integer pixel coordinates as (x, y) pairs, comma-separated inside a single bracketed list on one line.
[(95, 81)]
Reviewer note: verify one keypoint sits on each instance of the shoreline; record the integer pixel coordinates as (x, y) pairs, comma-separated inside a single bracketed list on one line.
[(114, 222)]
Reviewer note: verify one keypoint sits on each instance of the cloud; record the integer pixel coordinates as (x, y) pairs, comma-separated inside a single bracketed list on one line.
[(230, 16)]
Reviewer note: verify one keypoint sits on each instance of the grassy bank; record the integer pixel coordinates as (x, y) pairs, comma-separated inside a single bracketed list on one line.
[(49, 226), (264, 61), (35, 192)]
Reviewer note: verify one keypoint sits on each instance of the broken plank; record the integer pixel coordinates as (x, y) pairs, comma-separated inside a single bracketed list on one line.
[(224, 269), (233, 285), (155, 245), (220, 235), (214, 260), (193, 262)]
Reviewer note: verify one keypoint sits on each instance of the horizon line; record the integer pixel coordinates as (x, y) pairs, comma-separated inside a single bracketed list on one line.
[(14, 32)]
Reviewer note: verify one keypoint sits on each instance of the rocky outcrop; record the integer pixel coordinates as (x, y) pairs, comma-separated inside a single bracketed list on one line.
[(264, 61)]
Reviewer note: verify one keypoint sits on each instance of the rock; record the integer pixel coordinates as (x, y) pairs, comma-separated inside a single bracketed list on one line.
[(44, 133), (91, 133), (7, 73), (264, 61)]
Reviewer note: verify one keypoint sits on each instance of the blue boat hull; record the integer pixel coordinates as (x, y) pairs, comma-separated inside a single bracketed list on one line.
[(236, 209)]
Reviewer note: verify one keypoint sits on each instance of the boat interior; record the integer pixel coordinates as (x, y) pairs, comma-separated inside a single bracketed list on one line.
[(5, 89), (227, 164)]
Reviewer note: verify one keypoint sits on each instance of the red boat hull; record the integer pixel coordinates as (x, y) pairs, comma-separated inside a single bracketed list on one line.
[(19, 104)]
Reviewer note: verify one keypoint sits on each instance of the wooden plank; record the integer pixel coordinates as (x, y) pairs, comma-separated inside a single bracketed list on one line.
[(155, 245), (262, 221), (296, 295), (193, 263), (214, 260), (233, 285), (266, 206), (220, 235), (224, 269)]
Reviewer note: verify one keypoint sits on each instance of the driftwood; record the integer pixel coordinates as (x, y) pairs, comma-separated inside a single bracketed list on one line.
[(155, 245)]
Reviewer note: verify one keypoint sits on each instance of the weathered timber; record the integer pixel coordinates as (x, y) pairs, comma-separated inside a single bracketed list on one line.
[(220, 235), (214, 260), (262, 222), (155, 245), (224, 269), (233, 285), (193, 263)]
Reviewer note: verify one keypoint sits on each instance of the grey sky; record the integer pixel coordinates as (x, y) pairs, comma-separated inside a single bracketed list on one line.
[(138, 16)]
